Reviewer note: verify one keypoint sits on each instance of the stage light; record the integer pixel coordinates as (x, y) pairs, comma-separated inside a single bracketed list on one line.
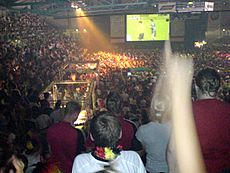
[(78, 4), (89, 31), (74, 5)]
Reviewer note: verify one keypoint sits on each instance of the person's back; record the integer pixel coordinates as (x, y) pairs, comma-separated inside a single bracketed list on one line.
[(105, 130), (212, 117), (128, 131), (65, 141), (154, 138), (127, 162), (155, 135)]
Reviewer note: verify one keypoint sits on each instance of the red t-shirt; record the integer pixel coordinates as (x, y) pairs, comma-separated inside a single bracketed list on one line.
[(212, 119), (64, 143), (126, 140)]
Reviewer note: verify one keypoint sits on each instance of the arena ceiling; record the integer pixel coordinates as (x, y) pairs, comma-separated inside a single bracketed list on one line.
[(93, 7), (52, 7)]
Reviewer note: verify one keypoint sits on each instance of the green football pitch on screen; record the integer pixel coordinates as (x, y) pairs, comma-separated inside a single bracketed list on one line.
[(147, 27)]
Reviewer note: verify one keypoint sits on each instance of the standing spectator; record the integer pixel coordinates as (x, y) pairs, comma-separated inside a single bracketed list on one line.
[(154, 137), (33, 154), (105, 130), (179, 71), (127, 141), (212, 117), (64, 140), (42, 123)]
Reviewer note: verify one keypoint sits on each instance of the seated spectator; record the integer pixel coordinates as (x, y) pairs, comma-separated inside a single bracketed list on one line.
[(105, 130)]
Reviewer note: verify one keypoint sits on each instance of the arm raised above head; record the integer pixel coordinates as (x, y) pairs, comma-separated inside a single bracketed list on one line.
[(179, 71)]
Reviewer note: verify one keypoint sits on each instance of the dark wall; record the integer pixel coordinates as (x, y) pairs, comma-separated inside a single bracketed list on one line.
[(195, 30), (103, 23)]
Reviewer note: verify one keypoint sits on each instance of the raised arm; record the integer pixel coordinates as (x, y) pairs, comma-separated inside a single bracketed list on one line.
[(180, 72)]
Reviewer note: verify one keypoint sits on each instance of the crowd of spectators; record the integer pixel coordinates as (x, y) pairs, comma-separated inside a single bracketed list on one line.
[(32, 54)]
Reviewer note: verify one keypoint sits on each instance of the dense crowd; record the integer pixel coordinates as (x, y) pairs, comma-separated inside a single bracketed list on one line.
[(32, 54)]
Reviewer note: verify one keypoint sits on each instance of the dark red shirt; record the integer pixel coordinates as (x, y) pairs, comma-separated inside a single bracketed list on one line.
[(64, 141), (212, 119)]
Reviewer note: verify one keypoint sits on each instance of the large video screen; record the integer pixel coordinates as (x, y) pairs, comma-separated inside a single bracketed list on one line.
[(147, 27)]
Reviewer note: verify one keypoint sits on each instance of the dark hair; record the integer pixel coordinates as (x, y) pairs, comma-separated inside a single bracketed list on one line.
[(16, 95), (57, 104), (72, 107), (113, 102), (208, 80), (46, 95), (105, 129), (35, 111)]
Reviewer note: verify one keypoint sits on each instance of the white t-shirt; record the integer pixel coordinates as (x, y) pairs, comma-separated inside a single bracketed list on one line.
[(126, 162)]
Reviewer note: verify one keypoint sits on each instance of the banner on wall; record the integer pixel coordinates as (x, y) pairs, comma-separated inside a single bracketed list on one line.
[(209, 6), (213, 29), (117, 29), (194, 6), (167, 7)]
